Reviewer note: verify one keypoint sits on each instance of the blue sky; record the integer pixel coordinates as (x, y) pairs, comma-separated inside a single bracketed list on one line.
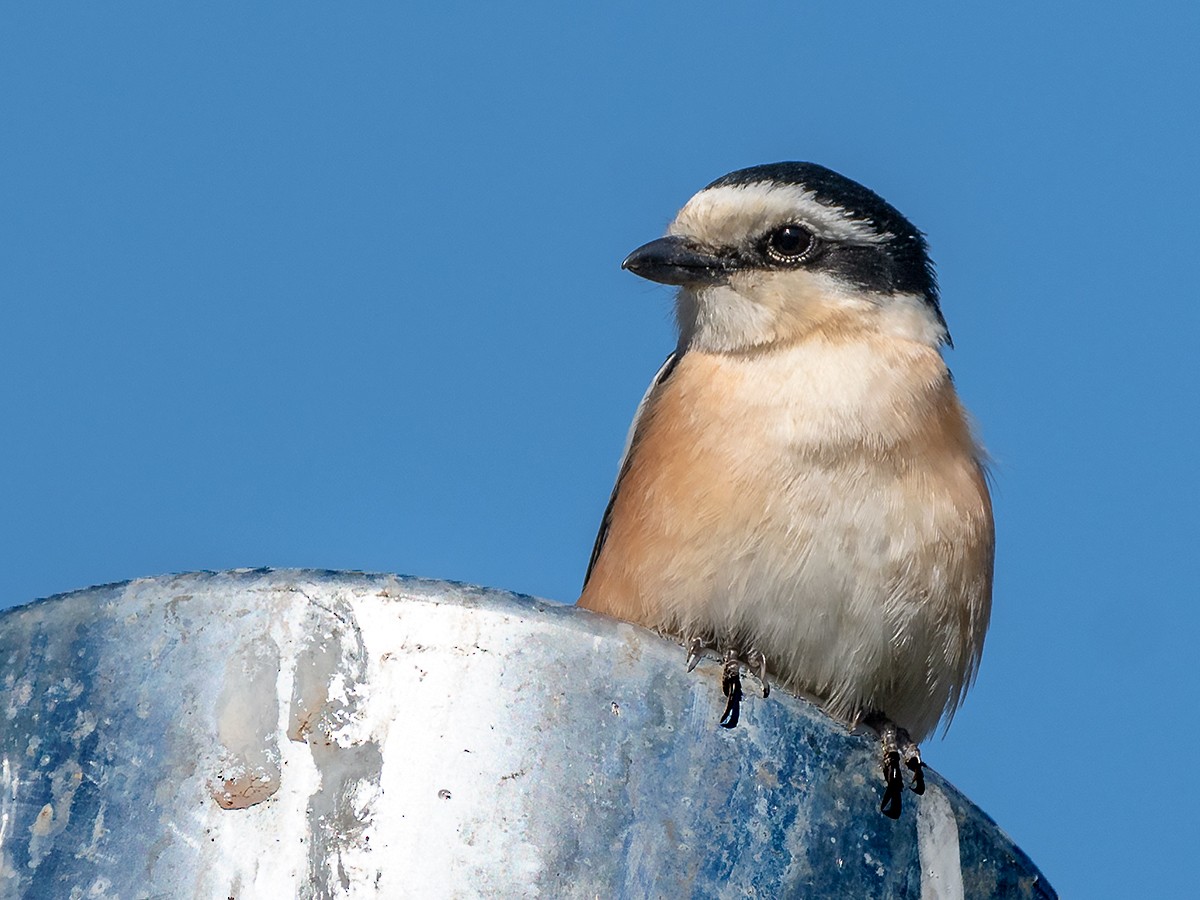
[(337, 285)]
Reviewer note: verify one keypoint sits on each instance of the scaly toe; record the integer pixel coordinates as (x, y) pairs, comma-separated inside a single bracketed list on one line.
[(757, 660)]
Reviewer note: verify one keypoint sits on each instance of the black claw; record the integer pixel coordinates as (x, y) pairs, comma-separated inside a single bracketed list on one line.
[(891, 739), (733, 708), (731, 676), (731, 685), (894, 791), (918, 774), (890, 806)]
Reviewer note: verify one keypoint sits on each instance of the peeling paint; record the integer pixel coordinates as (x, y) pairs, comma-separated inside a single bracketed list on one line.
[(247, 768)]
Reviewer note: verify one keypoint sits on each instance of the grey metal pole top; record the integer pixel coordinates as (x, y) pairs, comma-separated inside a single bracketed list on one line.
[(294, 733)]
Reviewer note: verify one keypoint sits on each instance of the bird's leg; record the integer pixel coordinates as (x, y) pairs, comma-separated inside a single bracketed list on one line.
[(731, 685), (896, 745), (890, 763), (731, 674)]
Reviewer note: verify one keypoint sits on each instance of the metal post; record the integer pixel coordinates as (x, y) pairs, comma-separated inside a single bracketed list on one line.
[(268, 734)]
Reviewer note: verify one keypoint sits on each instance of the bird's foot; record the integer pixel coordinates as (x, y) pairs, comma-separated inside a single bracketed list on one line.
[(895, 747), (732, 661)]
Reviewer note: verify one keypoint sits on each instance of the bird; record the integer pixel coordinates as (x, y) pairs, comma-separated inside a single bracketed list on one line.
[(802, 490)]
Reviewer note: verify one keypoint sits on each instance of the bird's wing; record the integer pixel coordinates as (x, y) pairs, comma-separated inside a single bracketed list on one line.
[(663, 374)]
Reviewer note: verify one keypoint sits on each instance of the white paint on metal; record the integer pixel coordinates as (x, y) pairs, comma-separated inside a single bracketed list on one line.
[(322, 735), (937, 844)]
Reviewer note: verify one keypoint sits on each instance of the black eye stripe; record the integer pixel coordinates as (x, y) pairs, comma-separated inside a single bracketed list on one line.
[(788, 243)]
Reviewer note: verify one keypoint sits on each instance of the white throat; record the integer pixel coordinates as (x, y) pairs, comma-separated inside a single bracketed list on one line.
[(756, 310), (717, 319)]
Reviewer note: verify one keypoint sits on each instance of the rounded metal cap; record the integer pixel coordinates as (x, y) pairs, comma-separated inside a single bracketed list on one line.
[(266, 734)]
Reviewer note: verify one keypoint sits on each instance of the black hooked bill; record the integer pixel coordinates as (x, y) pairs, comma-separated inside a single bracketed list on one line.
[(676, 260)]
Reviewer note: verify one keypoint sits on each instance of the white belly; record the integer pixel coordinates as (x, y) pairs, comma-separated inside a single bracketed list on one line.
[(854, 589)]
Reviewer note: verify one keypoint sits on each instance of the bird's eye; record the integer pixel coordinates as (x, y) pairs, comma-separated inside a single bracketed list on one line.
[(789, 244)]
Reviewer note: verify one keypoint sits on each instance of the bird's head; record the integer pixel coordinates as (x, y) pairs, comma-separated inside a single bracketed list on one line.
[(769, 254)]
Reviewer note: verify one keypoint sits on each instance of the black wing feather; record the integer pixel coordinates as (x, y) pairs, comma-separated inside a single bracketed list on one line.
[(664, 373)]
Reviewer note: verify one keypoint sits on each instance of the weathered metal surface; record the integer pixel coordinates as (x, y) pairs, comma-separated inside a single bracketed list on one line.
[(268, 734)]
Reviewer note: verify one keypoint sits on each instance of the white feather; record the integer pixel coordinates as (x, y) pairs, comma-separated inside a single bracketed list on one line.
[(723, 216)]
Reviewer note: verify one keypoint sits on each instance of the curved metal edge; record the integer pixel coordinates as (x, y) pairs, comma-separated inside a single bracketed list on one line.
[(945, 813)]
